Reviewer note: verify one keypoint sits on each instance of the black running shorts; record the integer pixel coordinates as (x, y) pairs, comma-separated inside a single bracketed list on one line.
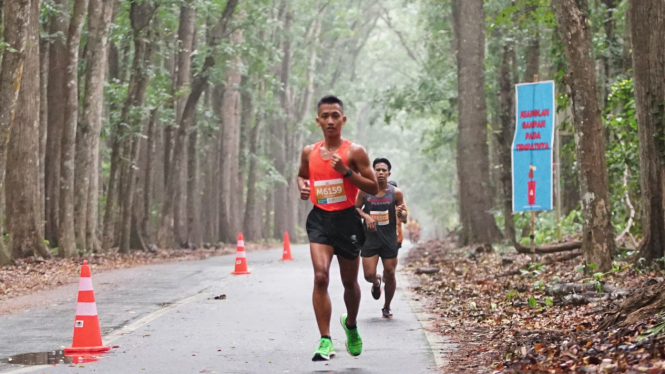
[(384, 253), (343, 230)]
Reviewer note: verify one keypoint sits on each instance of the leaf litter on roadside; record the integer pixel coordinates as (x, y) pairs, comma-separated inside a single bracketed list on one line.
[(511, 313), (34, 274)]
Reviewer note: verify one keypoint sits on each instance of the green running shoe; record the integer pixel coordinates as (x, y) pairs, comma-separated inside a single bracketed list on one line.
[(325, 352), (354, 343)]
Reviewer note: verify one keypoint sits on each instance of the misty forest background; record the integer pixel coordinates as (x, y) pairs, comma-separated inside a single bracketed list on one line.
[(177, 123)]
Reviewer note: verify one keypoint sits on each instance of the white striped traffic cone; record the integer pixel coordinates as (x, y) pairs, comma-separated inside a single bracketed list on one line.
[(241, 258), (87, 333)]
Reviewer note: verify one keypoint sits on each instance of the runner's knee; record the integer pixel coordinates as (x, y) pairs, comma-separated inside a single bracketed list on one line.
[(350, 284), (321, 280), (389, 275), (370, 277)]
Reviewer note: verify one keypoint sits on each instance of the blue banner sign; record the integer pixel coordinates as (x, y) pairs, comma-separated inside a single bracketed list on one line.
[(532, 147)]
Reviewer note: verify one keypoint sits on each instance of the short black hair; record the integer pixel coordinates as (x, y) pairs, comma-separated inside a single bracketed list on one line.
[(382, 160), (330, 99), (393, 183)]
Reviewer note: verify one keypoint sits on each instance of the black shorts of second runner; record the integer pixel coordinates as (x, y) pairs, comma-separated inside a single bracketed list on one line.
[(343, 230), (385, 253)]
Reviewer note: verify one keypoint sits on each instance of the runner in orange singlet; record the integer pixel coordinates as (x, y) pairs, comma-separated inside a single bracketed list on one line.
[(331, 173)]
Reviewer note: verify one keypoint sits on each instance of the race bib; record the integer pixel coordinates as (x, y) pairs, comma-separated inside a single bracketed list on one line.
[(329, 191), (381, 217)]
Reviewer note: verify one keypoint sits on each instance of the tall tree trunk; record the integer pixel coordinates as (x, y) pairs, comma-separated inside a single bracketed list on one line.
[(647, 19), (193, 195), (598, 235), (246, 111), (44, 46), (251, 222), (478, 225), (230, 144), (67, 237), (127, 219), (280, 136), (56, 117), (110, 209), (22, 190), (146, 230), (185, 46), (211, 193), (208, 166), (532, 56), (93, 193), (505, 136), (200, 82), (215, 162), (267, 215), (15, 30), (141, 16), (107, 215), (88, 130)]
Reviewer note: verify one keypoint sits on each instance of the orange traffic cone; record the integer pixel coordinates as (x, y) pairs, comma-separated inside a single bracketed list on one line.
[(286, 255), (87, 333), (241, 258)]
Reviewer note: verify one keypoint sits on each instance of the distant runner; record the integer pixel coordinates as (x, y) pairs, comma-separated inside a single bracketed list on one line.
[(335, 168), (400, 231), (413, 227), (381, 212)]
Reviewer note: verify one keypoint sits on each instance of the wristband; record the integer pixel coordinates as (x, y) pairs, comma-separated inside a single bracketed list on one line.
[(348, 173)]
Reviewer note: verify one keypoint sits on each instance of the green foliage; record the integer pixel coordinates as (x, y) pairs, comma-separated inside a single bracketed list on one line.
[(622, 152), (526, 14), (654, 330), (534, 268), (546, 225)]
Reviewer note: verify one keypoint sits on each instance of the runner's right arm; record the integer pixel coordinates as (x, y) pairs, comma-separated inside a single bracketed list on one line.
[(400, 206), (363, 177), (369, 221), (303, 173)]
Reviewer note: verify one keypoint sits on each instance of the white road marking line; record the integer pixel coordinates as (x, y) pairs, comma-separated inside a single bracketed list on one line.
[(134, 325)]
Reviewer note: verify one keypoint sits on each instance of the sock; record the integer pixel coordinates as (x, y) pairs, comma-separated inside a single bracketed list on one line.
[(326, 337), (351, 327)]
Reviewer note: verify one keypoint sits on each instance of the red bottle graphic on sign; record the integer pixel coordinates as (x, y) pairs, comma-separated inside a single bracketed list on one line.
[(531, 186)]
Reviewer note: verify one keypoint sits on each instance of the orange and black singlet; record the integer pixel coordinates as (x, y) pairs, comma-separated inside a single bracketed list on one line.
[(330, 190)]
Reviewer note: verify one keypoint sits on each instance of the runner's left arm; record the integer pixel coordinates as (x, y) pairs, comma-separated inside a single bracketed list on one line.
[(303, 173), (400, 206), (363, 176)]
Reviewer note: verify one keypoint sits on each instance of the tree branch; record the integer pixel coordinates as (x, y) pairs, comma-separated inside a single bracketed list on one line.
[(544, 249), (386, 19)]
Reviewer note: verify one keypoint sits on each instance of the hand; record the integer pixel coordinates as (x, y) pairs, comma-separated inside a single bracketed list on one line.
[(371, 223), (400, 210), (337, 164), (305, 191)]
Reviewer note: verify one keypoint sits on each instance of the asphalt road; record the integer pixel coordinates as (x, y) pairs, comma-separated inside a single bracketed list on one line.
[(164, 319)]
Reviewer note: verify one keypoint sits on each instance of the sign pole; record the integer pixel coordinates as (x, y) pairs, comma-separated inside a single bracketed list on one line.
[(558, 183), (533, 214)]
